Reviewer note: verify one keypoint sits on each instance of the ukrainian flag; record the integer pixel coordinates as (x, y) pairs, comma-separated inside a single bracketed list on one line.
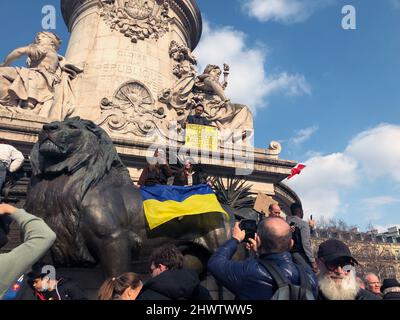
[(163, 203)]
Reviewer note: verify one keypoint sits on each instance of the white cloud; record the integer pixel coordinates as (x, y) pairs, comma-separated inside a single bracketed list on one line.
[(378, 151), (395, 3), (285, 11), (313, 153), (293, 85), (319, 184), (303, 135), (370, 216), (374, 208), (373, 153), (249, 82), (375, 202)]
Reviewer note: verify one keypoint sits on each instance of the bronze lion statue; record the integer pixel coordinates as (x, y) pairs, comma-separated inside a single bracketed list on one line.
[(81, 188)]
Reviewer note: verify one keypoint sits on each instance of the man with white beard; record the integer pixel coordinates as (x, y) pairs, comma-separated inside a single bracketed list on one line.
[(337, 278)]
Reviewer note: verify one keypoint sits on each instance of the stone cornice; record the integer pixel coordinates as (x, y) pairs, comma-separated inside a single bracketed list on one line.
[(187, 11)]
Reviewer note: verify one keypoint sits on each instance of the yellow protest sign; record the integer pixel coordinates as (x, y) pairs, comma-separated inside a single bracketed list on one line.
[(201, 137)]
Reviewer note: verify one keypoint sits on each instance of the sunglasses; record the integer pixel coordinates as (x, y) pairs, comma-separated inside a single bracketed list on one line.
[(345, 265)]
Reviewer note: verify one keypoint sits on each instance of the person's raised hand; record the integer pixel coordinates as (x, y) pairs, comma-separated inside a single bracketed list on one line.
[(7, 209), (238, 233), (311, 223), (252, 245), (315, 267)]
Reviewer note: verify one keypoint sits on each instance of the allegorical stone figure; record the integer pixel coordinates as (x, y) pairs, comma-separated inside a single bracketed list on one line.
[(209, 82), (235, 121), (44, 86)]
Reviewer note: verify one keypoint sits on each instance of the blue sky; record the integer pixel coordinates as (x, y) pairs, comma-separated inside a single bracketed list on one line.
[(330, 96)]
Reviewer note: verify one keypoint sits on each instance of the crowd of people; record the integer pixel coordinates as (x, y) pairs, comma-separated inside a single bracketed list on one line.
[(271, 271), (280, 263), (159, 173)]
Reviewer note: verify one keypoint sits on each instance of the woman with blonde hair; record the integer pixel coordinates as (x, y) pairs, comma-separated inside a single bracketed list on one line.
[(125, 287)]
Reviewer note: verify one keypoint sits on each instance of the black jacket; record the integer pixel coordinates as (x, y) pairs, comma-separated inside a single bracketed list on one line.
[(67, 290), (198, 177), (392, 296), (157, 174), (200, 120), (361, 295), (174, 285)]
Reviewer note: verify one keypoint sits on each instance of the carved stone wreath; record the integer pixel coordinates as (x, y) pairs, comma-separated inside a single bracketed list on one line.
[(137, 19), (131, 110)]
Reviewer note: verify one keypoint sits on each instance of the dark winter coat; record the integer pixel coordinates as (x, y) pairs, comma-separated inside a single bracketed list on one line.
[(200, 120), (67, 290), (198, 177), (361, 295), (395, 295), (157, 174), (179, 284)]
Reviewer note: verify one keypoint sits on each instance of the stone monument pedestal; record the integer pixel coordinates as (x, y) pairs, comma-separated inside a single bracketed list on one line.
[(133, 74)]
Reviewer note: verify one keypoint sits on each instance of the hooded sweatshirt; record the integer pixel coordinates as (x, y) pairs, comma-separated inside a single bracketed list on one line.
[(174, 285)]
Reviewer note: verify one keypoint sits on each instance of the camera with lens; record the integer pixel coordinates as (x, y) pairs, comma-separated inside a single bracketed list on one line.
[(250, 227)]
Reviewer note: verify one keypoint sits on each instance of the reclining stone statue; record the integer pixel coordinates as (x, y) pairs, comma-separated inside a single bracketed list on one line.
[(43, 87)]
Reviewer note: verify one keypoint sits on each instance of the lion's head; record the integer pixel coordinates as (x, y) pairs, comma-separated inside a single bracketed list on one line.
[(68, 146)]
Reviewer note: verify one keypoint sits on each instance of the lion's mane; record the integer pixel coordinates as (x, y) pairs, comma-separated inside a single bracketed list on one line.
[(59, 185)]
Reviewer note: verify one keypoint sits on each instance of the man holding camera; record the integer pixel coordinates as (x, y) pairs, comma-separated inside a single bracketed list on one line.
[(249, 279)]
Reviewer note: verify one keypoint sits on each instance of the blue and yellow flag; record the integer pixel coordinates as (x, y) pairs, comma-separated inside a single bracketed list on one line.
[(163, 203)]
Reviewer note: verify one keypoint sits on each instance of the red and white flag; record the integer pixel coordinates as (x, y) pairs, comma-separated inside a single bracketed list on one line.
[(296, 170)]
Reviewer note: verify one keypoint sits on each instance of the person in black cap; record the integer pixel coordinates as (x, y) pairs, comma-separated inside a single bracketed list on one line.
[(45, 288), (390, 289), (337, 278)]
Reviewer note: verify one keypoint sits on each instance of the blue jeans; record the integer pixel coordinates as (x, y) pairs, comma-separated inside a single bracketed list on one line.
[(3, 174)]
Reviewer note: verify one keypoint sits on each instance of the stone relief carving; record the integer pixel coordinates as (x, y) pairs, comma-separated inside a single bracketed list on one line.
[(131, 110), (44, 87), (184, 58), (181, 94), (191, 89), (137, 19)]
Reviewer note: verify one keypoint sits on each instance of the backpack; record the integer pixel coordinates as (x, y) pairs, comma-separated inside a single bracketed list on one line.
[(285, 289), (297, 242)]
